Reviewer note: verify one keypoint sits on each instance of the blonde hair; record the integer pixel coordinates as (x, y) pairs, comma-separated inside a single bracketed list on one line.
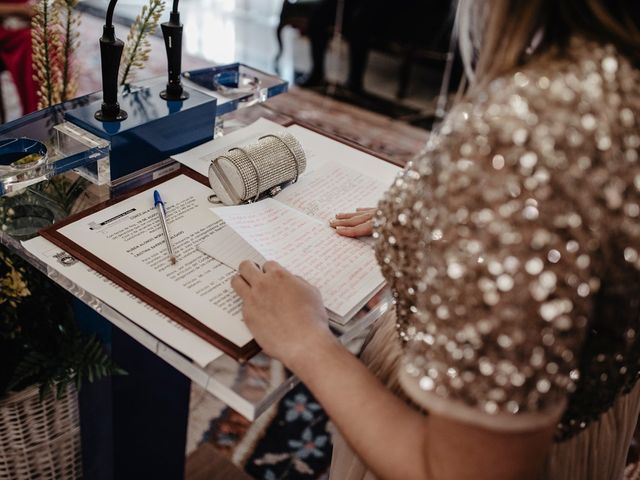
[(497, 36)]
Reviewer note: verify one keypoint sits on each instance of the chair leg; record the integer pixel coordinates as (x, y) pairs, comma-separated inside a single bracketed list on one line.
[(404, 76), (280, 46), (3, 112)]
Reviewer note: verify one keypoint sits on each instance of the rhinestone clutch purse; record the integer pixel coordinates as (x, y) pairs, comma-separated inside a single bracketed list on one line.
[(245, 173)]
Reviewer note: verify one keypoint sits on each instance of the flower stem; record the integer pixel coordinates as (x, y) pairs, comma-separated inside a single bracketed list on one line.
[(47, 59), (144, 28), (67, 52)]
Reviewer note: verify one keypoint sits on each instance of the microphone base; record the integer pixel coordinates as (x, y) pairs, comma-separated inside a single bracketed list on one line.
[(103, 116), (176, 95), (154, 128)]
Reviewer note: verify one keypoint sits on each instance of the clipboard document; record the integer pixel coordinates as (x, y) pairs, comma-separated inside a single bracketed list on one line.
[(124, 241)]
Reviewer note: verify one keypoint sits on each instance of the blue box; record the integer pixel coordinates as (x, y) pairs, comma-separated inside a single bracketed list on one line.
[(155, 128)]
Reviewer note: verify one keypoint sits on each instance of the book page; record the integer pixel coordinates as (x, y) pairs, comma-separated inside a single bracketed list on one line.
[(344, 270), (128, 236), (229, 248), (321, 149), (332, 189)]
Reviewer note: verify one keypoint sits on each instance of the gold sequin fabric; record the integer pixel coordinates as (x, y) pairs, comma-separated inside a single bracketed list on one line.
[(512, 244)]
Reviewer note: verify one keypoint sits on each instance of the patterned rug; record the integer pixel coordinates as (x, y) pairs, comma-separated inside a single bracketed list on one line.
[(294, 445)]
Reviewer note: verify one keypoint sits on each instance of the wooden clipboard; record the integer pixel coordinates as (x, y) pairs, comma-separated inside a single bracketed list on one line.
[(52, 233)]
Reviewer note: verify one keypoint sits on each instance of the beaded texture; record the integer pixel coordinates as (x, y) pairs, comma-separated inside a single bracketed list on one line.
[(271, 160), (512, 246)]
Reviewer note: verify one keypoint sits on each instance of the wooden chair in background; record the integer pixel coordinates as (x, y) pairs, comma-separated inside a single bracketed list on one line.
[(3, 111), (296, 14)]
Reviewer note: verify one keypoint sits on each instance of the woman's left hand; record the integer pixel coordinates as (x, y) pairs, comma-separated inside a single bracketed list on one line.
[(355, 224), (284, 313)]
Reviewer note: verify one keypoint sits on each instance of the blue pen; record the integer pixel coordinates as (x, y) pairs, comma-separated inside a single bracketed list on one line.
[(159, 204)]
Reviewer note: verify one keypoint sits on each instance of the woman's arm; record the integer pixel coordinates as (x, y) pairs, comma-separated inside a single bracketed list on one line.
[(395, 441), (287, 318), (25, 10)]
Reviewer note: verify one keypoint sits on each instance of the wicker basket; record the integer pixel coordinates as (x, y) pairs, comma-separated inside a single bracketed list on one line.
[(40, 439)]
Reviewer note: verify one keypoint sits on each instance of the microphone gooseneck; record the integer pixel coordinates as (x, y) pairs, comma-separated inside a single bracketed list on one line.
[(109, 19), (172, 33), (110, 54)]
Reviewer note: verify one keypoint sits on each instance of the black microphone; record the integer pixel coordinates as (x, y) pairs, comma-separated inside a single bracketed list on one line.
[(110, 53), (172, 33)]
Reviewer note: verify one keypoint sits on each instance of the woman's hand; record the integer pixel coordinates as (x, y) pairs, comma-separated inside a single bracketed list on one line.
[(354, 224), (284, 313), (26, 10)]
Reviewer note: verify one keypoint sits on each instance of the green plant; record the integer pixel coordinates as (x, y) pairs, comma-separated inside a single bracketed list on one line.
[(40, 341), (63, 191), (14, 288), (137, 48)]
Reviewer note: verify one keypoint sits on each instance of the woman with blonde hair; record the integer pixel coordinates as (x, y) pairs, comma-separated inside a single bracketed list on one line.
[(512, 247)]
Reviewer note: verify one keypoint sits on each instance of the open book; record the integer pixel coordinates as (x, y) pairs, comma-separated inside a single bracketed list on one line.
[(343, 269), (293, 227)]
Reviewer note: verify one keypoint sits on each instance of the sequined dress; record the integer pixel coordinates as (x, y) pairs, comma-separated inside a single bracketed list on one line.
[(512, 247)]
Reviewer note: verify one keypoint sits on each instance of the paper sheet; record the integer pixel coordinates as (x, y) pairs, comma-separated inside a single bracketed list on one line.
[(145, 316), (332, 189), (344, 270), (319, 149), (229, 247), (128, 237)]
